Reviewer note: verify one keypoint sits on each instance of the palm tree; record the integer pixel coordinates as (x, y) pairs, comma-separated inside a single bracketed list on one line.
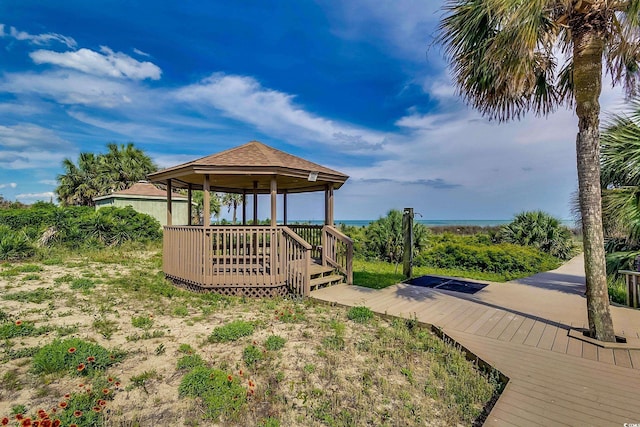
[(214, 204), (78, 185), (97, 175), (125, 165), (232, 201), (504, 56)]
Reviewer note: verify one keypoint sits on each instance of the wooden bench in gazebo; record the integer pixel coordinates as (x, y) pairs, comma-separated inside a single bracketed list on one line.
[(254, 260)]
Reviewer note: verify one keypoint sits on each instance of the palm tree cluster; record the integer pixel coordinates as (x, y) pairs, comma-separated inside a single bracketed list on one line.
[(99, 174), (504, 56)]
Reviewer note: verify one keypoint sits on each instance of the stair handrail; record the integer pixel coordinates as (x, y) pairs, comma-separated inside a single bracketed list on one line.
[(330, 235), (296, 265)]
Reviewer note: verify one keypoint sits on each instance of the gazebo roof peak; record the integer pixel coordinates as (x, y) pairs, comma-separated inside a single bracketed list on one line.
[(240, 167)]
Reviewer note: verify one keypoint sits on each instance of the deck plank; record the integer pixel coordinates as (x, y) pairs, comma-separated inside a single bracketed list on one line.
[(561, 342), (635, 358), (589, 351), (622, 358), (605, 355), (512, 328), (523, 331), (574, 348), (534, 335), (548, 336)]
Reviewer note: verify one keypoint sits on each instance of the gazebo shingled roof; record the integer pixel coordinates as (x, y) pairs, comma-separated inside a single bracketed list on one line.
[(241, 168)]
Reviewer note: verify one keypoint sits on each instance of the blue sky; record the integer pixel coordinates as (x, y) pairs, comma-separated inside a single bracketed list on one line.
[(354, 85)]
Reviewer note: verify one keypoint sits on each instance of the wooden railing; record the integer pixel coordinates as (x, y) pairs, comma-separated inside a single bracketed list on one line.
[(337, 251), (229, 256), (633, 287), (311, 234), (295, 254), (223, 256)]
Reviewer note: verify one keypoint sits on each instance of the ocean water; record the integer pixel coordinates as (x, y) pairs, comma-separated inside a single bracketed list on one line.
[(430, 222)]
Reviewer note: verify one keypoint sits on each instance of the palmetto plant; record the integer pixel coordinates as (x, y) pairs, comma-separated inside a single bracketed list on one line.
[(620, 178), (540, 230), (504, 55)]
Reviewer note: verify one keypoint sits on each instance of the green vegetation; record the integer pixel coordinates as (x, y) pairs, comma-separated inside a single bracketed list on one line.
[(231, 331), (274, 342), (360, 314), (252, 355), (220, 394), (73, 355), (540, 230)]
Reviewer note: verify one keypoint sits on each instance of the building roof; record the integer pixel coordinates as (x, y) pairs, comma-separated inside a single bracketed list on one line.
[(254, 163), (142, 190)]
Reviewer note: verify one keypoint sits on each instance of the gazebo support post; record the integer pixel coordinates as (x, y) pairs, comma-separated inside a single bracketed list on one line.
[(169, 203), (255, 202), (189, 208), (274, 199), (244, 207), (206, 201), (331, 205), (284, 207)]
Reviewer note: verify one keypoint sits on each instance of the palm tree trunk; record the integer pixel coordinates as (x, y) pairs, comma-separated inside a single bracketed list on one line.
[(588, 47)]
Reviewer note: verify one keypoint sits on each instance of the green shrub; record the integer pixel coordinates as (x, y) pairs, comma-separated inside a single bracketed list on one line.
[(14, 244), (504, 258), (360, 314), (251, 355), (617, 289), (190, 361), (75, 356), (36, 296), (142, 322), (10, 330), (220, 394), (274, 342), (540, 230), (82, 283), (231, 331)]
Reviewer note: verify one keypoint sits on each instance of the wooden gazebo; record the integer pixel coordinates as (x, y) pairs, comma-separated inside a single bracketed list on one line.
[(254, 260)]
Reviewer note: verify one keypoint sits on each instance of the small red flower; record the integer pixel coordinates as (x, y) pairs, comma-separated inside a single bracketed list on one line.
[(81, 385), (254, 343), (97, 409), (102, 402), (251, 391), (81, 367), (112, 357), (117, 384), (106, 391), (110, 379), (4, 421), (72, 350), (240, 373), (251, 383), (56, 423), (66, 396), (63, 404), (229, 378), (88, 390), (91, 359), (18, 322), (26, 422), (73, 425), (77, 413), (19, 417), (45, 423)]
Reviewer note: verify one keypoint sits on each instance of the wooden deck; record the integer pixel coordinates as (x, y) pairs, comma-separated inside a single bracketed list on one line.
[(521, 328)]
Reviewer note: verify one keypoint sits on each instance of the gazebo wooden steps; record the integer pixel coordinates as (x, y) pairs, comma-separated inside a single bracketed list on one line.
[(323, 276)]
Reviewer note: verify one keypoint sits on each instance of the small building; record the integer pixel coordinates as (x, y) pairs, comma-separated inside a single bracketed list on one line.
[(146, 198)]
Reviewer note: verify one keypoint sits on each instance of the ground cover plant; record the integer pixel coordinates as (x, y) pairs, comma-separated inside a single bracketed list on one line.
[(217, 360)]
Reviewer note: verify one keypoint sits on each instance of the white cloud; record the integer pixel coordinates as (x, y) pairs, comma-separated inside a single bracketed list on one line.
[(70, 88), (31, 197), (9, 185), (48, 182), (37, 39), (274, 112), (141, 53), (103, 63), (26, 136)]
